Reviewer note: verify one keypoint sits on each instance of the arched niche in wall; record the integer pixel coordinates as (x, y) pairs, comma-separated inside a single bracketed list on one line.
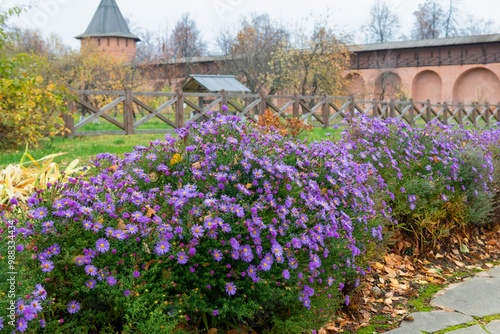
[(388, 86), (427, 85), (355, 84), (477, 85)]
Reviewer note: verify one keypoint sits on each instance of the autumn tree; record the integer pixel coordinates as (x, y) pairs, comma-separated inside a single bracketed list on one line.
[(248, 54), (30, 107), (312, 64), (186, 38), (384, 23)]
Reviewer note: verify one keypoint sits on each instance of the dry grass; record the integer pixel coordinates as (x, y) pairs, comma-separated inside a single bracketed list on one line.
[(19, 180)]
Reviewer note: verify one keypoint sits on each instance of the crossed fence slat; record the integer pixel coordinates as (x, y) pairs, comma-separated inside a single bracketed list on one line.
[(100, 112)]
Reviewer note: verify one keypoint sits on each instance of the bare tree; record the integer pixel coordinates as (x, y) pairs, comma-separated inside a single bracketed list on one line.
[(450, 26), (384, 23), (429, 20), (186, 38), (476, 26)]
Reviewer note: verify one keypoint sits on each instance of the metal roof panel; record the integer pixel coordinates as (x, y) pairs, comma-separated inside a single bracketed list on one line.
[(216, 83), (427, 43)]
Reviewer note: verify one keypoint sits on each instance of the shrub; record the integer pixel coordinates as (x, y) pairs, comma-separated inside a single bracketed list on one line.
[(290, 127), (226, 226), (438, 179), (29, 107)]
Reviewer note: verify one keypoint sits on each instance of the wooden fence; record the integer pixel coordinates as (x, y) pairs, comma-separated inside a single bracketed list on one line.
[(175, 109)]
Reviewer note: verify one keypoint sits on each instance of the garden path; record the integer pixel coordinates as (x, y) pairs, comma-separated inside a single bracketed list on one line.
[(469, 303)]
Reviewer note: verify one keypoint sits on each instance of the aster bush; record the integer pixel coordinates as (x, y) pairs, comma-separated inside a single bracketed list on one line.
[(440, 179), (224, 226)]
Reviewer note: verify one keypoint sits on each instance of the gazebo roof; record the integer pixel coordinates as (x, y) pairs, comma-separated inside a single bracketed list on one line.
[(213, 83), (108, 21)]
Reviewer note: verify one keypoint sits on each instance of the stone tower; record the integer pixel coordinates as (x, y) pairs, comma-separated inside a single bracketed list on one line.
[(109, 32)]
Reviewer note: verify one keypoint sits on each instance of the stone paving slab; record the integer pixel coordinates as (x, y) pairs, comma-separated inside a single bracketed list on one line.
[(478, 297), (495, 272), (435, 321), (469, 330), (403, 331), (493, 327)]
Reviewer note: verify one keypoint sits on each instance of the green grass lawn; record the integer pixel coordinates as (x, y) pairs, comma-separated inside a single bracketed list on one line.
[(85, 147)]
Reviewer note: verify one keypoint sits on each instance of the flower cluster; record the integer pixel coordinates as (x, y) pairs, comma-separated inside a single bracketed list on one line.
[(438, 178), (225, 209)]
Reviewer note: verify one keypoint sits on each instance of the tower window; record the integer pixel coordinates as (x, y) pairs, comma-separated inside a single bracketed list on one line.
[(109, 41), (99, 41), (126, 43), (118, 42)]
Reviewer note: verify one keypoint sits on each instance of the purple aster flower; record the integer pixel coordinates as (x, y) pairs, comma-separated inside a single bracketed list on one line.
[(136, 274), (252, 271), (162, 247), (91, 284), (277, 250), (22, 325), (47, 266), (443, 196), (111, 280), (132, 229), (215, 312), (118, 234), (36, 306), (230, 288), (246, 253), (182, 258), (126, 293), (286, 274), (102, 245), (79, 260), (330, 280), (217, 255), (90, 270), (42, 323), (73, 307), (197, 231), (40, 292), (40, 213)]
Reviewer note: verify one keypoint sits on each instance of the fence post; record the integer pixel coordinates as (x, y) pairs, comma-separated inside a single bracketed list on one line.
[(411, 115), (376, 110), (460, 117), (428, 110), (263, 103), (445, 113), (69, 121), (128, 112), (474, 113), (223, 102), (498, 112), (488, 112), (351, 107), (296, 106), (326, 112), (392, 112), (179, 109)]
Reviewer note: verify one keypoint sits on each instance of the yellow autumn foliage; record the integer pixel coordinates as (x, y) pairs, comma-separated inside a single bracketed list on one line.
[(19, 180)]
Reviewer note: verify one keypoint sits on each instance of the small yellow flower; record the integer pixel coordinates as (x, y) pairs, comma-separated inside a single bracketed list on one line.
[(176, 159)]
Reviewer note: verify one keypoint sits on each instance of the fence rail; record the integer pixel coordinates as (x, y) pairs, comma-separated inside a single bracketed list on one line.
[(173, 110)]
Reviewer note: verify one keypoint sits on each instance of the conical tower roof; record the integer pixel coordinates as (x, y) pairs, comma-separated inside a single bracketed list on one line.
[(108, 21)]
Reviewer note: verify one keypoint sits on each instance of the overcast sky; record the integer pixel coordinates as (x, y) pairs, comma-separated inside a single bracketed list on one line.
[(68, 18)]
